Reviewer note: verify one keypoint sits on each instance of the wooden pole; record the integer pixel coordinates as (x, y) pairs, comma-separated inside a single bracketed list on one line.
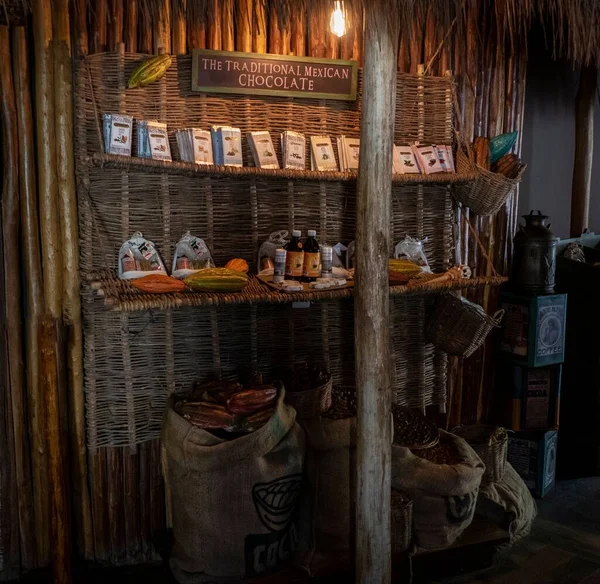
[(298, 30), (80, 37), (131, 15), (214, 30), (11, 220), (46, 159), (99, 23), (145, 37), (179, 27), (584, 149), (71, 302), (243, 25), (228, 43), (162, 28), (371, 306), (259, 27), (61, 540), (279, 36), (34, 300), (116, 29)]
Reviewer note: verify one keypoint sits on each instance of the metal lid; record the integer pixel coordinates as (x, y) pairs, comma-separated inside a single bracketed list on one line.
[(296, 233), (312, 233)]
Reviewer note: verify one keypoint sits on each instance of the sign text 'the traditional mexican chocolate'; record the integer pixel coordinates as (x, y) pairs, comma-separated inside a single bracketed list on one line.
[(280, 75)]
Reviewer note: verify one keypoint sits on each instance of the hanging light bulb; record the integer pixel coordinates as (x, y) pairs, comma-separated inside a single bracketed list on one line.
[(338, 19)]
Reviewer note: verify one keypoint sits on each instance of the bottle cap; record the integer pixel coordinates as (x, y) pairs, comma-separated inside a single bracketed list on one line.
[(312, 233), (296, 233)]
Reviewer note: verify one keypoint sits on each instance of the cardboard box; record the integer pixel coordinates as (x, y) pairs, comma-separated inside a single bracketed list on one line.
[(533, 456), (530, 395), (533, 329)]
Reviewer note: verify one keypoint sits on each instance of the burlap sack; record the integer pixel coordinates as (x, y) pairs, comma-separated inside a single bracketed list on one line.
[(234, 502), (331, 470), (444, 496), (510, 503)]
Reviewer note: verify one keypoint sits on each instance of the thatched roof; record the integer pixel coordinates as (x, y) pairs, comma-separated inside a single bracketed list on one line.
[(572, 26), (14, 11)]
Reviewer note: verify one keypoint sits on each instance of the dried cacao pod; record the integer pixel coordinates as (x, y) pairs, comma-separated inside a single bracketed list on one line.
[(258, 420), (158, 284), (207, 416), (252, 400)]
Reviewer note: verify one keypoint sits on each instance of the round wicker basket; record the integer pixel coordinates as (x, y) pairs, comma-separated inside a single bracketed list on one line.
[(311, 402), (488, 193), (458, 326), (491, 445)]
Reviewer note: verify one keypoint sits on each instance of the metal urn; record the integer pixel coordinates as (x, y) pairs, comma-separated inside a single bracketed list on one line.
[(534, 259)]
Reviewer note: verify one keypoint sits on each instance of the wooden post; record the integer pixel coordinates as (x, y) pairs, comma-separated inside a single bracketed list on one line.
[(162, 28), (131, 16), (213, 40), (71, 302), (244, 24), (228, 42), (371, 305), (11, 222), (61, 528), (259, 27), (179, 27), (34, 301), (584, 149)]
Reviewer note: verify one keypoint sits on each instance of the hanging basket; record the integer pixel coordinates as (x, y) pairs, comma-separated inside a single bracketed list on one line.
[(401, 522), (488, 193), (311, 403), (491, 444), (458, 326)]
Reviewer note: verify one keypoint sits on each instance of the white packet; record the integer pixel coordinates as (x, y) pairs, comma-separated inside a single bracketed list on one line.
[(138, 257), (191, 255), (266, 253), (412, 249), (338, 250)]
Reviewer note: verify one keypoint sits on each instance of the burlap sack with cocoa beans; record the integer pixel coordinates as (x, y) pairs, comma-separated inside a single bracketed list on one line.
[(234, 502), (444, 495)]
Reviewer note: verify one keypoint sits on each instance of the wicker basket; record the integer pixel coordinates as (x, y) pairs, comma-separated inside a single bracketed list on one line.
[(401, 526), (488, 193), (459, 327), (311, 402), (491, 445)]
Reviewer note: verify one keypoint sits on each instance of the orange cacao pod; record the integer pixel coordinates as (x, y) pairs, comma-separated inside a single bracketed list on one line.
[(158, 284), (251, 400), (259, 419), (237, 264)]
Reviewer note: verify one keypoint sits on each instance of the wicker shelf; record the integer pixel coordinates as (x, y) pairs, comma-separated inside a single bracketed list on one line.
[(120, 295), (187, 168)]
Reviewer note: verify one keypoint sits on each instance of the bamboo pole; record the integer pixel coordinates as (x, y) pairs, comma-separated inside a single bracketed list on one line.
[(162, 28), (61, 541), (416, 39), (584, 149), (228, 42), (317, 46), (71, 302), (131, 41), (371, 305), (214, 20), (298, 29), (12, 270), (243, 25), (196, 33), (178, 9), (34, 301)]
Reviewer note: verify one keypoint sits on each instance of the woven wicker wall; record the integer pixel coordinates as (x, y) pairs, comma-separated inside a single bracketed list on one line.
[(133, 361)]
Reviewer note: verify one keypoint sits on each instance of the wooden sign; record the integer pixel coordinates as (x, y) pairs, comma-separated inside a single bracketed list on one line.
[(279, 75)]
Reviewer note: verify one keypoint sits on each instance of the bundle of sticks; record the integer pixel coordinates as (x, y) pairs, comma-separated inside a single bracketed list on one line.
[(508, 165)]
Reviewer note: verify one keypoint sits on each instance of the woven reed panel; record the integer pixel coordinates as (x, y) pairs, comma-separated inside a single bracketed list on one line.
[(133, 361)]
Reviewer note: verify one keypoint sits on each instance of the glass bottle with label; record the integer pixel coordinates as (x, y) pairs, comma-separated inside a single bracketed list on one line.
[(294, 259), (312, 257)]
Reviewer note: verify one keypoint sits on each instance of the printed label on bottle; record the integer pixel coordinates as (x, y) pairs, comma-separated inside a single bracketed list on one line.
[(312, 265), (294, 263)]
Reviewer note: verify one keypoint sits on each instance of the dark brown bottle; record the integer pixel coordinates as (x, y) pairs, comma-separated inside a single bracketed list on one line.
[(312, 257), (294, 259)]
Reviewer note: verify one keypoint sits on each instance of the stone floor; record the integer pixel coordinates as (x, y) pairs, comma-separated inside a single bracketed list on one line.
[(563, 548)]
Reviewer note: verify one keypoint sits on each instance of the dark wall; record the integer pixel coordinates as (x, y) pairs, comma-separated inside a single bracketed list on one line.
[(549, 139)]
